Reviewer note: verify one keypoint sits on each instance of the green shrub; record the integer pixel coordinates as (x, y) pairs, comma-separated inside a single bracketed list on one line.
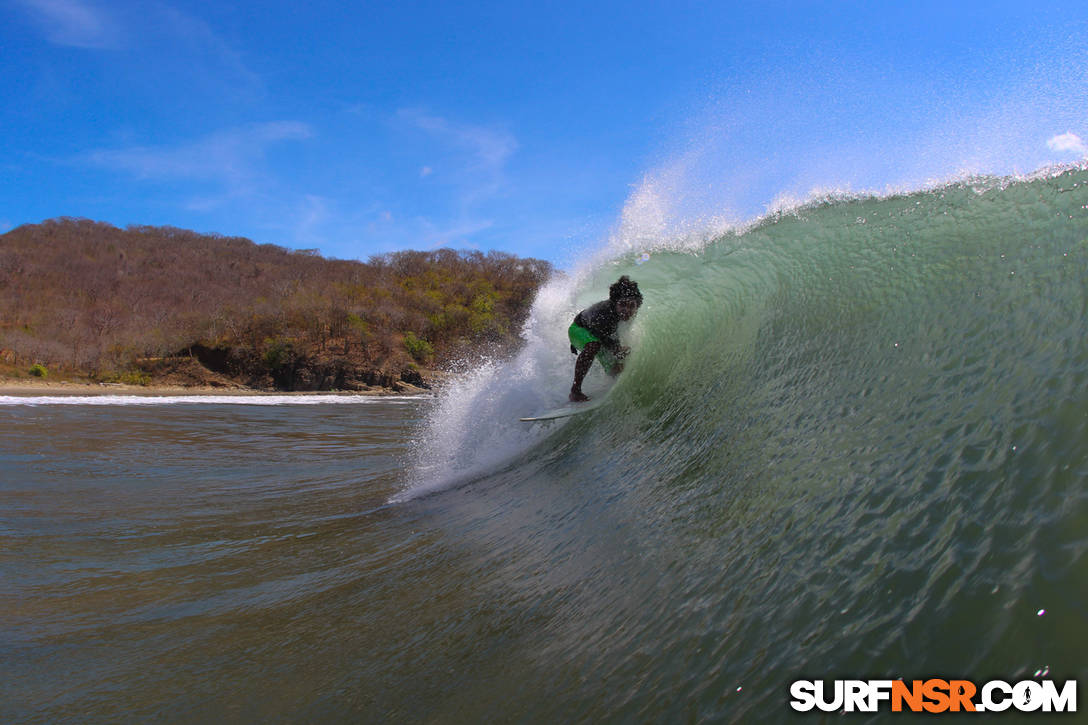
[(38, 370), (278, 354), (359, 324), (134, 377), (129, 377), (418, 348)]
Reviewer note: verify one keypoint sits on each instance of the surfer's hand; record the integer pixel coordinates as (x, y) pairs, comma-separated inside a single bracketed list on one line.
[(621, 352), (616, 369)]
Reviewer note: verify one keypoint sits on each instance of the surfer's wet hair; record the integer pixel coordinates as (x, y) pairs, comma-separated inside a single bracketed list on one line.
[(625, 289)]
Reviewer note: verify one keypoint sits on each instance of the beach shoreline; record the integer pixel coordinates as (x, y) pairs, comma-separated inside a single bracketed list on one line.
[(20, 387)]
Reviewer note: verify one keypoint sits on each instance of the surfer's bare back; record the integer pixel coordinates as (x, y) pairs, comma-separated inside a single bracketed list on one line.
[(593, 333)]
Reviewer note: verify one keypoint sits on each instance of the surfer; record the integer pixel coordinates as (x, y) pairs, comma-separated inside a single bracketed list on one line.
[(593, 333)]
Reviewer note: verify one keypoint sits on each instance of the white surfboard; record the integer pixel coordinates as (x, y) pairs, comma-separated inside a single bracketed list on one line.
[(566, 411)]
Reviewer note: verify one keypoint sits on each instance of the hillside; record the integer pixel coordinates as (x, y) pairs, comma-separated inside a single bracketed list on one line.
[(155, 304)]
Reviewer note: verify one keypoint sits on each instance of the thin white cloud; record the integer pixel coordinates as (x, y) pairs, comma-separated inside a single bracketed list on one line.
[(489, 148), (163, 37), (206, 204), (313, 213), (421, 232), (473, 160), (74, 23), (230, 156), (1068, 142), (196, 43), (454, 234)]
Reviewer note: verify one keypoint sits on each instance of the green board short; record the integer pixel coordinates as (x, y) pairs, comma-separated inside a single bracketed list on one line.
[(580, 337)]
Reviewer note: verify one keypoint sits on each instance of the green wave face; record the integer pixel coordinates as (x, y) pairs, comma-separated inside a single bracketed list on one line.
[(850, 440), (854, 326)]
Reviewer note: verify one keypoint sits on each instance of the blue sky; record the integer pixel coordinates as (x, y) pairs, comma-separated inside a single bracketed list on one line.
[(531, 127)]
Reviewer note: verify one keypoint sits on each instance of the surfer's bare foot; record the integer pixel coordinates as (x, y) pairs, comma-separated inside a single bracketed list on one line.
[(577, 396)]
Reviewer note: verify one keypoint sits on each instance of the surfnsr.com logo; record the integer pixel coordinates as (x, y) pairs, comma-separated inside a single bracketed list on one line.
[(933, 696)]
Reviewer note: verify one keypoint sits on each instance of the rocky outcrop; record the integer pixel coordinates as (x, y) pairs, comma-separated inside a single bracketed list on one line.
[(202, 366)]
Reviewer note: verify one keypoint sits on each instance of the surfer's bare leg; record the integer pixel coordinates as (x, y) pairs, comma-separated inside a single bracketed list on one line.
[(581, 367)]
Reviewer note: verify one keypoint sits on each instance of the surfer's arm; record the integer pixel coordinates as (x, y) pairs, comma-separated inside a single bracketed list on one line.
[(617, 351), (612, 344), (612, 361)]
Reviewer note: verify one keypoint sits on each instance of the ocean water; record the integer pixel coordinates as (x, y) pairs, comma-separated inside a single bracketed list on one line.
[(851, 441)]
